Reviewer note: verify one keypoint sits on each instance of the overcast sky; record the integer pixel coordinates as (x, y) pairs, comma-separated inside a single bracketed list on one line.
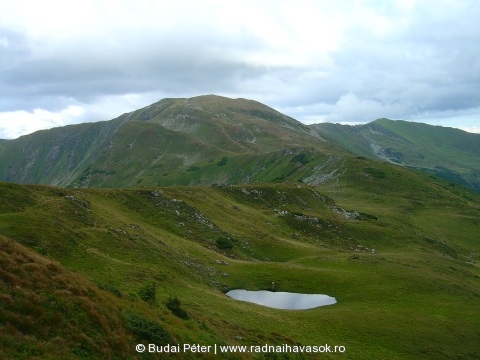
[(64, 62)]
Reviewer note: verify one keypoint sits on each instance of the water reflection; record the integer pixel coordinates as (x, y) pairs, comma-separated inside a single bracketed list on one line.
[(282, 300)]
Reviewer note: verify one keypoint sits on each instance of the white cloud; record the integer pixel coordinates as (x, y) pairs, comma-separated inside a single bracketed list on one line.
[(352, 108), (471, 129), (16, 123), (308, 114)]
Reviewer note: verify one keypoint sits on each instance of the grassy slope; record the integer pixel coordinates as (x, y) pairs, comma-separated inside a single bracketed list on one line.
[(415, 297), (222, 141), (149, 155), (235, 125), (54, 156), (48, 311), (457, 146), (450, 153), (158, 145)]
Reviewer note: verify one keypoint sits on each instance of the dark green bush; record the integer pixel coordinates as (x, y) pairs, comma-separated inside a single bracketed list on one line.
[(148, 293), (173, 304), (223, 161), (224, 243), (146, 329)]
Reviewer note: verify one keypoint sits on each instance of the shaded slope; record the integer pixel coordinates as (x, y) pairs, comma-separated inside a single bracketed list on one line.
[(151, 155), (54, 156)]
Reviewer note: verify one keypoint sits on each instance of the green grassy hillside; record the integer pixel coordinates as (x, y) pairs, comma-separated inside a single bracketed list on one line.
[(397, 249), (211, 139), (159, 145), (235, 125), (49, 312), (149, 155), (54, 156), (446, 152)]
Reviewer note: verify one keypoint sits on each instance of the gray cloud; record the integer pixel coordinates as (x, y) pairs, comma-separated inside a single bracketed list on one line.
[(137, 65), (373, 60)]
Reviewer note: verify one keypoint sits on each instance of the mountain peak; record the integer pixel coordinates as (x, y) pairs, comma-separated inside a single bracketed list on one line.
[(226, 122), (168, 140)]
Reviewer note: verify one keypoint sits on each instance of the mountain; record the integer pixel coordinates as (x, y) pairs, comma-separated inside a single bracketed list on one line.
[(235, 125), (202, 140), (211, 139), (449, 153)]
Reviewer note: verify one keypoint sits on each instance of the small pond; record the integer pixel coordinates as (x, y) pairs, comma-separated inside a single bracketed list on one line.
[(282, 300)]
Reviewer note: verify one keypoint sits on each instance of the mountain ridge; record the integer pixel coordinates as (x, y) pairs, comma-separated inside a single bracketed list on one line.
[(449, 153), (208, 130), (218, 139)]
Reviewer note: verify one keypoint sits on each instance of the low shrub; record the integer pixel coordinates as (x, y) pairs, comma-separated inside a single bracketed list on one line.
[(148, 293), (224, 243), (223, 161), (146, 329), (173, 304)]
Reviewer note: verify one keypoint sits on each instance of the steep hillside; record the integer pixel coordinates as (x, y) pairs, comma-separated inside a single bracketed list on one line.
[(54, 156), (174, 141), (47, 311), (216, 140), (445, 152), (397, 249)]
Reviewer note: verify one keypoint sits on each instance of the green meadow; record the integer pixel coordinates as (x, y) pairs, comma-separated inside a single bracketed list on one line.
[(90, 273)]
